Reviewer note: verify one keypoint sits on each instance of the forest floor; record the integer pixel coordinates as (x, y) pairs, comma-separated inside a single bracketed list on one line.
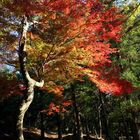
[(34, 134)]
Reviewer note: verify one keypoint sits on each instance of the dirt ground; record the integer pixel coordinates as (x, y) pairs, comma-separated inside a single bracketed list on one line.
[(34, 134)]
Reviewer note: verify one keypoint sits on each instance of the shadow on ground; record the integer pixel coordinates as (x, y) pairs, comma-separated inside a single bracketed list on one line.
[(35, 136)]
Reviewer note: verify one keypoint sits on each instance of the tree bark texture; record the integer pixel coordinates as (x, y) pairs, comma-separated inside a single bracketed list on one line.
[(59, 126), (42, 126), (77, 118), (24, 105), (29, 83)]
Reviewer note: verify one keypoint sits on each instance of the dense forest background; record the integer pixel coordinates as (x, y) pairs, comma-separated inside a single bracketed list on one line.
[(70, 106)]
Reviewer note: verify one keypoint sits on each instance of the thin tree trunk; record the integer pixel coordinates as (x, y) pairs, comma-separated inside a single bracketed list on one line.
[(104, 116), (42, 126), (77, 118), (74, 126), (59, 126), (87, 128), (134, 129), (126, 128), (100, 121)]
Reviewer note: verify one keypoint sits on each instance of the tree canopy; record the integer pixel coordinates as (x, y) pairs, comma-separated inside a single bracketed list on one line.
[(65, 39)]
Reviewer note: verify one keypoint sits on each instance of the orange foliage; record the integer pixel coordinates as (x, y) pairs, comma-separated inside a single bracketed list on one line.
[(60, 108), (87, 27)]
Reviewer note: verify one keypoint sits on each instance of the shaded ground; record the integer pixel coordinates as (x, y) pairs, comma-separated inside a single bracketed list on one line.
[(35, 135)]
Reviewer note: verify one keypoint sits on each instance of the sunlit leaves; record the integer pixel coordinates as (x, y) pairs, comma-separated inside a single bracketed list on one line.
[(67, 39), (60, 108), (130, 53)]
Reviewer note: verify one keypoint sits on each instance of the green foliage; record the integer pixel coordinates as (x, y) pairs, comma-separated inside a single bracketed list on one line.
[(129, 51)]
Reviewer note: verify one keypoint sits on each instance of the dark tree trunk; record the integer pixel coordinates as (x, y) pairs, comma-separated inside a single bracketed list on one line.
[(126, 128), (87, 128), (42, 126), (100, 121), (134, 129), (77, 118), (74, 126), (104, 117), (59, 126)]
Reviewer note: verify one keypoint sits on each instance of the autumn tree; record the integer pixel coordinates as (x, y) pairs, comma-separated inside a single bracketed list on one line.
[(56, 42)]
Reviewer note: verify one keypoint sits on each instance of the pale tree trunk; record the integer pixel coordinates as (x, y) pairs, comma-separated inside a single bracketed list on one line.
[(24, 105), (28, 81)]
